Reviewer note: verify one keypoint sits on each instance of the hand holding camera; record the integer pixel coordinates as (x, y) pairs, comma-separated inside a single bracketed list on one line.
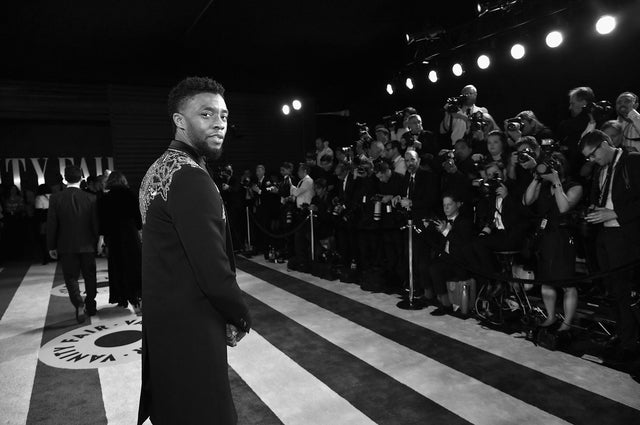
[(598, 215), (502, 191), (406, 203)]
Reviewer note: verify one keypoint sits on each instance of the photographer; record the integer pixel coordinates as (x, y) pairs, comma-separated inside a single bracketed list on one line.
[(500, 218), (616, 207), (364, 199), (322, 208), (458, 110), (459, 172), (287, 208), (495, 150), (382, 134), (392, 153), (389, 186), (406, 113), (580, 122), (419, 200), (522, 163), (526, 124), (322, 149), (552, 196), (233, 196), (453, 236), (343, 208), (302, 194), (627, 109), (418, 138)]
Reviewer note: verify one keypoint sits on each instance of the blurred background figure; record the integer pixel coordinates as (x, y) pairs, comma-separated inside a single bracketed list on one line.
[(120, 223), (41, 209)]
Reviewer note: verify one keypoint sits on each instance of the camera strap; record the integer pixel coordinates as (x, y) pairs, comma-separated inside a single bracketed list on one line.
[(606, 186)]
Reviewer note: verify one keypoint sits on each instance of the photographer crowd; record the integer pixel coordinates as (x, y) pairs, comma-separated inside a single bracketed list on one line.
[(473, 192)]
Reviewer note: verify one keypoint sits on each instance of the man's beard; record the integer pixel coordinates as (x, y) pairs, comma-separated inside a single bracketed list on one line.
[(204, 149)]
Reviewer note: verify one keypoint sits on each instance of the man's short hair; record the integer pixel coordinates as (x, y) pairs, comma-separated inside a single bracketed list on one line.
[(416, 116), (320, 183), (454, 196), (303, 166), (381, 167), (593, 139), (527, 115), (72, 174), (628, 93), (529, 141), (614, 124), (409, 110), (583, 93), (190, 87), (501, 135), (287, 165), (326, 158)]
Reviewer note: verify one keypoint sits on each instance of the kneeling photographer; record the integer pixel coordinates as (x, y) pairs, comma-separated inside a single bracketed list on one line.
[(459, 172), (552, 195)]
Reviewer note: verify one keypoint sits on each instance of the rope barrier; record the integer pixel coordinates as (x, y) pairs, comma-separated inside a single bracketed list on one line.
[(274, 235)]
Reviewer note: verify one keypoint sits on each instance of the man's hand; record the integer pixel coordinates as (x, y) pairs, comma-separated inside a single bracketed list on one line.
[(552, 177), (530, 164), (53, 253), (234, 335), (225, 186), (502, 191), (600, 215), (514, 135), (406, 203)]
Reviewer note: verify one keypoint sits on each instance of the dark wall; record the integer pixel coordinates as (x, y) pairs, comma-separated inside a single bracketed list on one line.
[(131, 125)]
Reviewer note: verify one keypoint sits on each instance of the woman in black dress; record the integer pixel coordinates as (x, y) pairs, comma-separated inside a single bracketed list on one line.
[(120, 224), (552, 195)]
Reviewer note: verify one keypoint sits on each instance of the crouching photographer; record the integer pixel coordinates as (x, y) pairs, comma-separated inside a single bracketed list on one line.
[(552, 196), (616, 211), (460, 170)]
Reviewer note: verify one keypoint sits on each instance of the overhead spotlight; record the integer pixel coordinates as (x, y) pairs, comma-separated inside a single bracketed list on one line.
[(389, 89), (484, 7), (457, 69), (433, 76), (285, 109), (409, 83), (606, 24), (517, 51), (296, 104), (484, 61), (554, 39)]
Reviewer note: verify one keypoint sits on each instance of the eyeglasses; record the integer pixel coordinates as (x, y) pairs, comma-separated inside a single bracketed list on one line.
[(592, 155)]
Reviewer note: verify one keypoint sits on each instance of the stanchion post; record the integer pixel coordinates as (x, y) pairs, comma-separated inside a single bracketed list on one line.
[(408, 304), (313, 256)]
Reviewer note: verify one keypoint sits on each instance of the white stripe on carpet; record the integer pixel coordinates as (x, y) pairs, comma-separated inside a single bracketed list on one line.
[(467, 397), (291, 392), (21, 330), (607, 382)]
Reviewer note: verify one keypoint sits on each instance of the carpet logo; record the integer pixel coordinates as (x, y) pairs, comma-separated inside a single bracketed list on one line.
[(95, 346)]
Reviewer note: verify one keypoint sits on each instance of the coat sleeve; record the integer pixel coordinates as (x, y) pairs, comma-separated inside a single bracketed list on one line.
[(197, 213), (52, 223), (630, 211)]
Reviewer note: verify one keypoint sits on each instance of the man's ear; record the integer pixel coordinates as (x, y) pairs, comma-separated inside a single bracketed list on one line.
[(178, 120)]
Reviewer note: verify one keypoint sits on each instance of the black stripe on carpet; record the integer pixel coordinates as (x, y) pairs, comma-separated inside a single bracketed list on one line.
[(251, 410), (552, 395), (380, 397), (10, 278), (64, 396)]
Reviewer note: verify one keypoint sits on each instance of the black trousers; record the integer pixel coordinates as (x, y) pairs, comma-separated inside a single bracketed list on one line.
[(369, 248), (444, 269), (392, 254), (614, 248), (72, 264)]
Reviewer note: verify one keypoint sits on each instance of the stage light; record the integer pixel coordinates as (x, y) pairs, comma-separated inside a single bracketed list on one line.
[(554, 39), (606, 24), (483, 61), (296, 104), (517, 51), (457, 69), (285, 109), (433, 76), (389, 89), (409, 83)]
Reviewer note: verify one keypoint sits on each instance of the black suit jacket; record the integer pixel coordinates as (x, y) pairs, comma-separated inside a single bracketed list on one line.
[(426, 196), (625, 191), (459, 237), (72, 221), (514, 215)]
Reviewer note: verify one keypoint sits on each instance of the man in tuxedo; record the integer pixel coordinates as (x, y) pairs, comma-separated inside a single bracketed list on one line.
[(420, 201), (72, 235), (616, 209), (346, 231), (193, 307), (453, 235)]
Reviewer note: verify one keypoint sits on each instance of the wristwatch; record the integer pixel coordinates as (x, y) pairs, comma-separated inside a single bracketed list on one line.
[(556, 185)]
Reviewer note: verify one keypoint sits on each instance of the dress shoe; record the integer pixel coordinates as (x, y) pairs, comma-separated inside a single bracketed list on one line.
[(80, 313), (442, 311)]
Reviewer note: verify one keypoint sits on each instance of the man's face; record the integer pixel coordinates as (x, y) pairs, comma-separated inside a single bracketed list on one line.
[(319, 144), (259, 172), (203, 119), (412, 160), (310, 161), (462, 151), (381, 136), (284, 171), (624, 104), (471, 96), (375, 151), (301, 173), (415, 125), (450, 206), (389, 152), (598, 154), (576, 105)]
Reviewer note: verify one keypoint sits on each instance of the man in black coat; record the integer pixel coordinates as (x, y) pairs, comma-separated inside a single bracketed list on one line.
[(72, 235), (193, 307), (616, 197)]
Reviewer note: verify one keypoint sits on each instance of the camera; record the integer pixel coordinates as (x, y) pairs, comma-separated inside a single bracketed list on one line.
[(600, 109), (448, 157), (487, 187), (477, 121), (526, 155), (455, 103), (393, 119), (515, 124), (547, 166)]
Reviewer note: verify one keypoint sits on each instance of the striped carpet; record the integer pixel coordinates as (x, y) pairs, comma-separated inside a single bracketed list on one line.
[(320, 353)]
